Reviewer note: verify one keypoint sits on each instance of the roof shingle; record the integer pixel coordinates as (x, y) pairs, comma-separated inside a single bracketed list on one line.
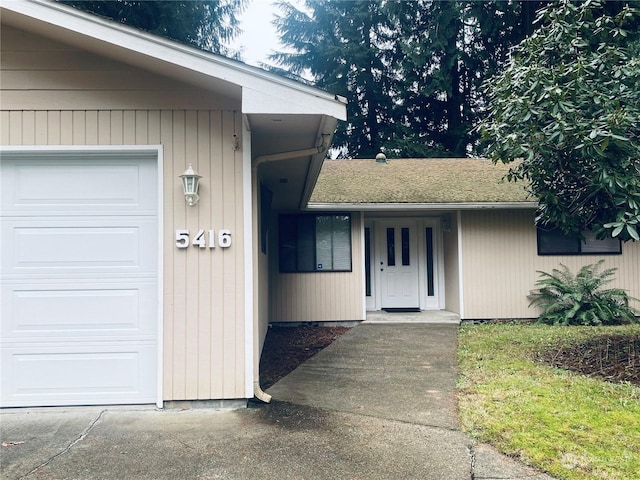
[(416, 181)]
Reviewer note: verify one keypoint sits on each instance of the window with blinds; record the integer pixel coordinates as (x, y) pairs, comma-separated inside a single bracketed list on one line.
[(554, 242), (315, 243)]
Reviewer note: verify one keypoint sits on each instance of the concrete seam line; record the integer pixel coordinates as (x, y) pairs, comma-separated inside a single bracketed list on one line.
[(472, 462), (82, 436)]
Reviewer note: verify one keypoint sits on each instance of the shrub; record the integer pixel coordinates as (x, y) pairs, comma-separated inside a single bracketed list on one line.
[(566, 299)]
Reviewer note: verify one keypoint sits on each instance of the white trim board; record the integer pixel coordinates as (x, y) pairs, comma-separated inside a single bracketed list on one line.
[(460, 267)]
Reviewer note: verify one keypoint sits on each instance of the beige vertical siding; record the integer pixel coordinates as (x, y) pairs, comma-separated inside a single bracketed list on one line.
[(203, 304), (319, 296), (40, 74), (500, 261)]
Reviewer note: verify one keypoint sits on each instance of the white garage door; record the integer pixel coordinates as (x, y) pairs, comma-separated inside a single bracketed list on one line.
[(79, 278)]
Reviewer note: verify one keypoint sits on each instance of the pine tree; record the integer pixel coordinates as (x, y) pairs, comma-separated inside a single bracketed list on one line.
[(445, 50), (208, 25), (411, 71), (343, 46)]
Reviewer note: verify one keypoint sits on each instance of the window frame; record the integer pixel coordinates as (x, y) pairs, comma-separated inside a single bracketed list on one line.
[(574, 244), (292, 222)]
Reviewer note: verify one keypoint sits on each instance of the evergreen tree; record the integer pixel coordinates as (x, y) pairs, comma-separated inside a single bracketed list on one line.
[(411, 70), (344, 46), (445, 50), (208, 25)]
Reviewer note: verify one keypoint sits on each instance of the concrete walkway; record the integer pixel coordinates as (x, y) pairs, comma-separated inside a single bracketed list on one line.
[(404, 377), (379, 403)]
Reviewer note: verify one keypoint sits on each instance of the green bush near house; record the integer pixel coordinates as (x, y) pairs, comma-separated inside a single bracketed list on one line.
[(567, 299)]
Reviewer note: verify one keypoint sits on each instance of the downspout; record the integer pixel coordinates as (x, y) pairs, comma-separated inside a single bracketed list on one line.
[(274, 157), (257, 390), (259, 393)]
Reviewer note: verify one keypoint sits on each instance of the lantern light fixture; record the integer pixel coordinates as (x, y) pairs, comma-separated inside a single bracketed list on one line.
[(190, 182)]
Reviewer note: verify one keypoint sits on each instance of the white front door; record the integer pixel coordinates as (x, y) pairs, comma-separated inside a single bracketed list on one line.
[(398, 264), (404, 263)]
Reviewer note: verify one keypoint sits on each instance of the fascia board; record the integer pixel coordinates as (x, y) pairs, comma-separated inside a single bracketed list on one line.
[(278, 99), (189, 58), (422, 206)]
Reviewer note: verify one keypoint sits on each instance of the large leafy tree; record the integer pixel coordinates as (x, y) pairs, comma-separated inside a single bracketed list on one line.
[(567, 108), (410, 70), (208, 25)]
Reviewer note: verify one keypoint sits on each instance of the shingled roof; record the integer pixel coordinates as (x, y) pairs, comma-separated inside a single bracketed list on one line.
[(417, 181)]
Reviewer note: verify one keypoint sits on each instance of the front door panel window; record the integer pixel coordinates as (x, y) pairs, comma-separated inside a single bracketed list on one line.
[(391, 247), (406, 247)]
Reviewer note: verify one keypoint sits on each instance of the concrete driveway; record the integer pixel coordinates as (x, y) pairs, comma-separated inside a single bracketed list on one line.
[(379, 403)]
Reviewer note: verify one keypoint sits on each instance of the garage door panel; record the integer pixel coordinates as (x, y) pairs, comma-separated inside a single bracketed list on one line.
[(55, 247), (78, 185), (78, 277), (50, 311), (88, 374)]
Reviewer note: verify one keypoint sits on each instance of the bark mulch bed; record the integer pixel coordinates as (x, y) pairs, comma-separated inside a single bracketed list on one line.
[(614, 358), (287, 347)]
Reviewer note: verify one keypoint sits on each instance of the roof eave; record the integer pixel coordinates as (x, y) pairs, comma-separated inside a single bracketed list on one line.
[(422, 206), (255, 81)]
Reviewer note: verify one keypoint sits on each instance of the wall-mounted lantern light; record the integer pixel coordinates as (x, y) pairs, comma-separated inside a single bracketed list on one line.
[(190, 181)]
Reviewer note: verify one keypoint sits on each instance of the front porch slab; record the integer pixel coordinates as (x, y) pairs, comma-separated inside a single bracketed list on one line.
[(425, 316)]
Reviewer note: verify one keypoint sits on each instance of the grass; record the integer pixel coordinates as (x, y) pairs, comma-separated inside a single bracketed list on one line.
[(567, 424)]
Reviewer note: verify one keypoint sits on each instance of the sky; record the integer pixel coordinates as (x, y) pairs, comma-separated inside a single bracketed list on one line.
[(259, 37)]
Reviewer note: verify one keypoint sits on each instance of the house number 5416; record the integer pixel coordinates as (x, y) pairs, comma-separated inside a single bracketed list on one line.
[(203, 239)]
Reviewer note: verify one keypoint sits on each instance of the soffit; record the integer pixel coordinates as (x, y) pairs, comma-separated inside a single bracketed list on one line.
[(291, 180)]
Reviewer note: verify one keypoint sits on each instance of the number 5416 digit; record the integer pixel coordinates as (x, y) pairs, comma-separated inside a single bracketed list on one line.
[(202, 239)]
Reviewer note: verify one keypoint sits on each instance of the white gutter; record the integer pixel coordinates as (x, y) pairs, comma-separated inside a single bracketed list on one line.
[(274, 157), (314, 165), (424, 206), (362, 270)]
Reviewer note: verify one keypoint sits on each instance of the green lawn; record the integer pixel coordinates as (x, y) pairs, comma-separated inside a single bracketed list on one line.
[(567, 424)]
